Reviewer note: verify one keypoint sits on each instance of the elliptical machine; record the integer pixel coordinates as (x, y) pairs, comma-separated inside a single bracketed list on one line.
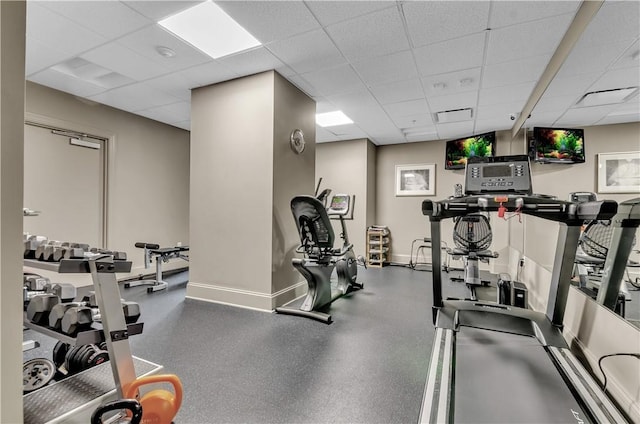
[(320, 257)]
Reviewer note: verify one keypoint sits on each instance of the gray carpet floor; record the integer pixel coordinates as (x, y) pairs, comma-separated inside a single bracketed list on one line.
[(245, 366)]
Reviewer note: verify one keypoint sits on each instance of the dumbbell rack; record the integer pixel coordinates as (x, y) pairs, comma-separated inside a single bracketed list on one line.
[(115, 329)]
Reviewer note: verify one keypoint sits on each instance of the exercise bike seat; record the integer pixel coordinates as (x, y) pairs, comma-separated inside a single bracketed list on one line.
[(314, 227)]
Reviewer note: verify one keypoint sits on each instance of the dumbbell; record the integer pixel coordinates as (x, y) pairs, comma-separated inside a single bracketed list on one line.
[(39, 254), (131, 311), (31, 245), (76, 251), (65, 291), (35, 282), (40, 306), (76, 319), (117, 256)]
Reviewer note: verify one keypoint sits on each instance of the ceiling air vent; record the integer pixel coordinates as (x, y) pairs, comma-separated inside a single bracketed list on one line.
[(455, 115), (606, 97)]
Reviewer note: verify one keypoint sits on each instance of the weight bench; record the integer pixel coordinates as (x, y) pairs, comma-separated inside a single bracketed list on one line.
[(161, 255)]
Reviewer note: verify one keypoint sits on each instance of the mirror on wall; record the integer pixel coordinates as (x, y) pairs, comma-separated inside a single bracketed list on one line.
[(605, 59)]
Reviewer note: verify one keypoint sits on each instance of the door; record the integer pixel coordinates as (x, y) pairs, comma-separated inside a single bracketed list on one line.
[(65, 182)]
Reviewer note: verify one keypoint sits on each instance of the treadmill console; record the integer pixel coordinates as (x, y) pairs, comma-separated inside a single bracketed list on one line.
[(340, 205), (498, 174)]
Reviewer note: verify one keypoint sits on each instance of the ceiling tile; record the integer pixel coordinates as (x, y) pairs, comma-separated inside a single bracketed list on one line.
[(307, 52), (353, 100), (271, 20), (398, 91), (145, 42), (331, 12), (134, 97), (585, 58), (171, 113), (452, 83), (430, 22), (208, 73), (185, 125), (156, 10), (66, 83), (455, 129), (520, 71), (493, 124), (619, 78), (58, 32), (251, 62), (584, 116), (561, 86), (506, 44), (176, 85), (517, 93), (361, 38), (323, 135), (499, 112), (616, 21), (438, 58), (408, 108), (40, 56), (385, 69), (507, 13), (346, 131), (112, 19), (124, 61), (424, 119), (630, 58), (546, 118), (555, 103), (338, 80), (453, 101)]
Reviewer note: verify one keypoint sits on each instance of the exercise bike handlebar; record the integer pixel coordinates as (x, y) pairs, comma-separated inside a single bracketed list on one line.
[(333, 252)]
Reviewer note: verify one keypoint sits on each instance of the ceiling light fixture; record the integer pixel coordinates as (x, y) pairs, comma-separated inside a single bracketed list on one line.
[(465, 82), (165, 51), (606, 97), (439, 85), (331, 119), (208, 28)]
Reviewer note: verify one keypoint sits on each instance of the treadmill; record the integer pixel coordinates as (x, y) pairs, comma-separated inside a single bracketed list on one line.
[(494, 363)]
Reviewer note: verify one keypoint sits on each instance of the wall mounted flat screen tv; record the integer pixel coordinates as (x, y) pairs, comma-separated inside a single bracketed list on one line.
[(458, 151), (558, 145)]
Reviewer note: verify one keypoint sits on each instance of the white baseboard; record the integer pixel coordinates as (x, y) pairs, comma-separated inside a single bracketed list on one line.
[(245, 298)]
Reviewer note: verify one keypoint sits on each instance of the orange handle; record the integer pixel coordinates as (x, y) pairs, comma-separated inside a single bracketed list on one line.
[(132, 388)]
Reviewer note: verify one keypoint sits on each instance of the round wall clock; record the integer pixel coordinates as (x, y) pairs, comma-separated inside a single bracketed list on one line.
[(297, 141)]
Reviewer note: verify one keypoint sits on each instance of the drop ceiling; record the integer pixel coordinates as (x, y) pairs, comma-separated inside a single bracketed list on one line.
[(392, 67)]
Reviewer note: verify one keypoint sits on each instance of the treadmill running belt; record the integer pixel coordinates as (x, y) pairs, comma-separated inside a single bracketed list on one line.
[(514, 381)]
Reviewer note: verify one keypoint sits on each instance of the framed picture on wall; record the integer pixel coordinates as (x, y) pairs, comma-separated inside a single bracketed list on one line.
[(416, 180), (619, 172)]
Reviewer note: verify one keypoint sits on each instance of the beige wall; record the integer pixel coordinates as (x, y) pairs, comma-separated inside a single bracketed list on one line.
[(148, 170), (12, 42), (293, 174), (243, 175), (345, 167)]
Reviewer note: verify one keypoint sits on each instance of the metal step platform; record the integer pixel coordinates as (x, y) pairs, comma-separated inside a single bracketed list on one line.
[(73, 399)]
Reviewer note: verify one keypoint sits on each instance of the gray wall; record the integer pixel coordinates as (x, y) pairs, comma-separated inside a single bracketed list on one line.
[(148, 170), (243, 175), (12, 42)]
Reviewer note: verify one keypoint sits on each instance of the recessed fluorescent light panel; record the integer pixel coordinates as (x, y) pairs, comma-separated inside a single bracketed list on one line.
[(208, 28), (331, 119), (606, 97)]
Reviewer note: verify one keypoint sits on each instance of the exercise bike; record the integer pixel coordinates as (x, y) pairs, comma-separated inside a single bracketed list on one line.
[(320, 257)]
